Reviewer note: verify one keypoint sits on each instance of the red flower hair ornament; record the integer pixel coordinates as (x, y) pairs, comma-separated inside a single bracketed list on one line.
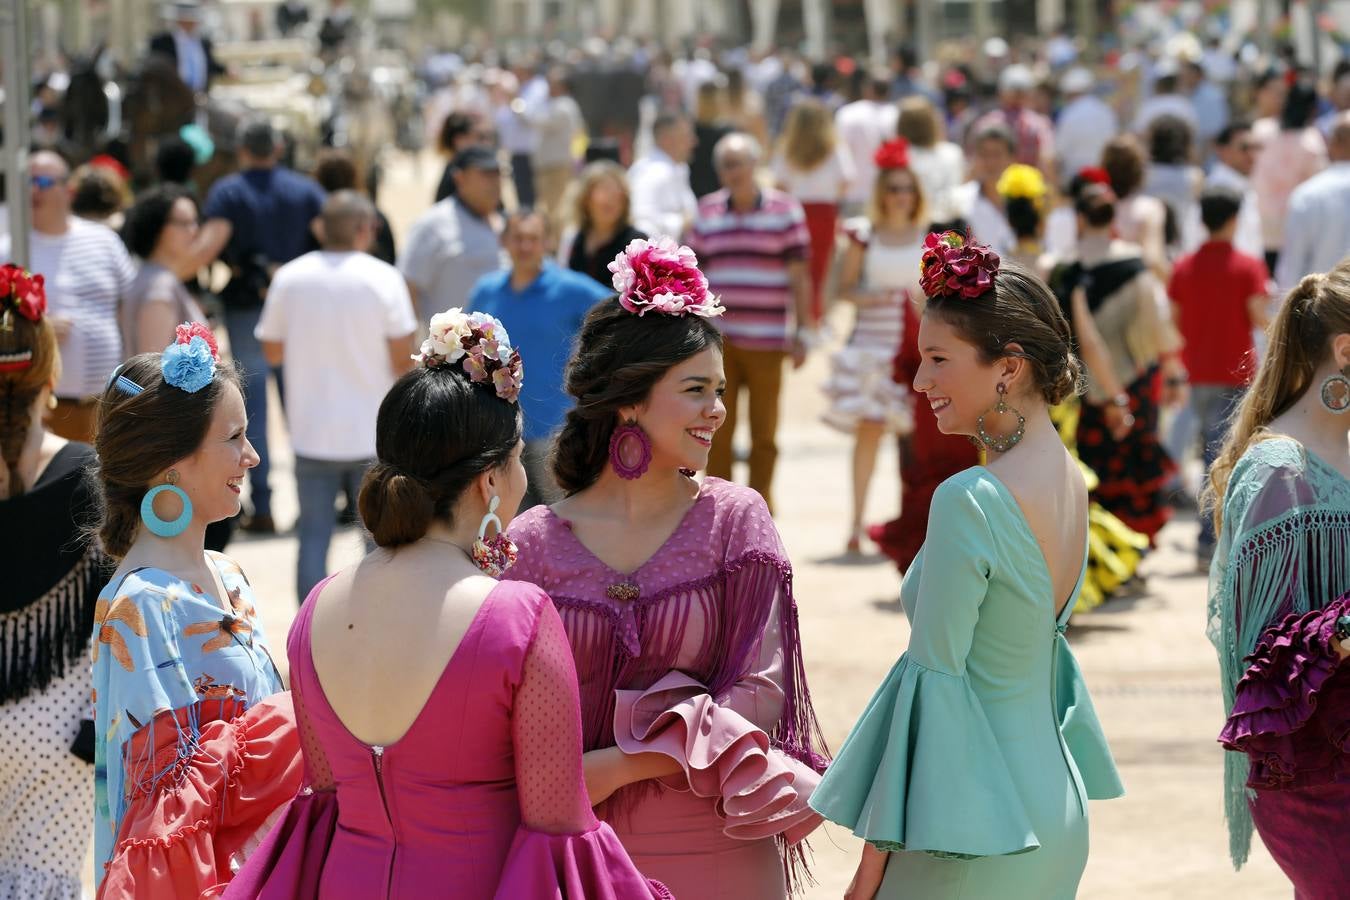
[(954, 267), (892, 155), (1095, 175), (21, 292)]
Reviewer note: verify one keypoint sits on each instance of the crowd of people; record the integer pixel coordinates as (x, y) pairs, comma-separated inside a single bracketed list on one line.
[(1052, 312)]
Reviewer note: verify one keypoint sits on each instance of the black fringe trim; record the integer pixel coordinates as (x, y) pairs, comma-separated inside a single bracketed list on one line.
[(39, 643)]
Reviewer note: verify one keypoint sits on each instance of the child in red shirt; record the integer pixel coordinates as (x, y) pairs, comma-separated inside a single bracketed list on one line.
[(1219, 295)]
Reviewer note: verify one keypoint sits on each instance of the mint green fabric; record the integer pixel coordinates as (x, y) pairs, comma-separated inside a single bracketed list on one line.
[(1284, 548), (974, 761)]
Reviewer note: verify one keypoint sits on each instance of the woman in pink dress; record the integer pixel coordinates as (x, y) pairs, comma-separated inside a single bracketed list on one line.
[(437, 706), (677, 600)]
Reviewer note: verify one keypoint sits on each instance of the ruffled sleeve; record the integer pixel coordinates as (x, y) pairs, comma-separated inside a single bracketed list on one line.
[(560, 849), (922, 769), (1281, 718)]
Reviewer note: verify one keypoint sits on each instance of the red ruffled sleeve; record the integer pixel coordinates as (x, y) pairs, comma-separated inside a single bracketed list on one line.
[(184, 837), (1291, 710)]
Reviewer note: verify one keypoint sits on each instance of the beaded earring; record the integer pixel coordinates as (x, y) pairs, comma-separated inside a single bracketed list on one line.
[(1002, 443), (498, 554), (1336, 392)]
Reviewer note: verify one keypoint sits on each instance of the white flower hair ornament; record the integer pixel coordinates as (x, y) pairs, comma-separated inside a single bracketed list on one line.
[(479, 345)]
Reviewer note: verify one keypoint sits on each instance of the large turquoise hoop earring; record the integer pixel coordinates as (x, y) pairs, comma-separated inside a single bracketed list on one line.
[(158, 526)]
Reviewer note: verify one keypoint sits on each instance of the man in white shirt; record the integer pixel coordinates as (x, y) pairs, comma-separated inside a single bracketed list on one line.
[(1085, 123), (1317, 230), (1235, 153), (978, 200), (559, 123), (340, 323), (1166, 100), (664, 204), (862, 127)]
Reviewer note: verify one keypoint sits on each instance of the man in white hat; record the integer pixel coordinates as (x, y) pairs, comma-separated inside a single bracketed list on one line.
[(1032, 132), (183, 46), (1086, 123)]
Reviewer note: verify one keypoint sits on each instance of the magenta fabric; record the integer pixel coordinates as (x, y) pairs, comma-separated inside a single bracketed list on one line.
[(485, 790), (1291, 716), (715, 605), (1291, 712)]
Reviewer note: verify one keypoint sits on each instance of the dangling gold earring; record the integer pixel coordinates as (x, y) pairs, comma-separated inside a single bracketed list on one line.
[(1004, 443)]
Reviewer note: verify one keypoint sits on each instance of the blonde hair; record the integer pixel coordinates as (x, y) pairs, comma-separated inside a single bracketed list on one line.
[(19, 389), (1297, 343), (590, 176), (875, 202), (918, 122), (808, 137)]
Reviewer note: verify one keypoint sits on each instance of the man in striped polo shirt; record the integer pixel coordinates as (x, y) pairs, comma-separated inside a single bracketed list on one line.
[(752, 244), (87, 271)]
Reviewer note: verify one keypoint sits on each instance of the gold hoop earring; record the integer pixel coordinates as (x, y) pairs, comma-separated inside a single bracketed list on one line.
[(1001, 443)]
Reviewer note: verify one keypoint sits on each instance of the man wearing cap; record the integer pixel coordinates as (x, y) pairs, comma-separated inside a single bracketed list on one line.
[(185, 49), (1085, 125), (455, 242), (1033, 135), (257, 219)]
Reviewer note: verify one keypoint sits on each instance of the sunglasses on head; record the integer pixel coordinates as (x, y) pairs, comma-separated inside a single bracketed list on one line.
[(43, 182)]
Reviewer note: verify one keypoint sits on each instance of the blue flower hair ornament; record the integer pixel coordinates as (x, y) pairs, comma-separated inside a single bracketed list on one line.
[(189, 366)]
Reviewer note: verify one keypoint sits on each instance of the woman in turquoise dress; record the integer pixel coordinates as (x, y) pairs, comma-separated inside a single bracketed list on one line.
[(969, 773), (1280, 590), (195, 741)]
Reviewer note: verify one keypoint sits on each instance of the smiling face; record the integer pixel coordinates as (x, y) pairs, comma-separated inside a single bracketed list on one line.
[(212, 476), (899, 194), (958, 385), (683, 411)]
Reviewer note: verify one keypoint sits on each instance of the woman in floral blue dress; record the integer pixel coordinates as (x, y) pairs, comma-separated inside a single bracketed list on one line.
[(195, 745)]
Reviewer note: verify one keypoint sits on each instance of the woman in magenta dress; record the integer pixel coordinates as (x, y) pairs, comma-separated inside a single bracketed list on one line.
[(437, 706), (677, 600)]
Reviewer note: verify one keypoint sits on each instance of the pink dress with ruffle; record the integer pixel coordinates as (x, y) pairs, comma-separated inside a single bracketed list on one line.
[(696, 655), (483, 797)]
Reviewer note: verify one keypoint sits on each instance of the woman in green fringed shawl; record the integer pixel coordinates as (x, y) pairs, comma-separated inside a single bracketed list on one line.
[(1278, 585)]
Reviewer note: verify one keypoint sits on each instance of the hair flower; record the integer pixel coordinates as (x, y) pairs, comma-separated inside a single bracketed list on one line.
[(1095, 175), (21, 292), (954, 267), (893, 154), (184, 334), (188, 367), (662, 277), (479, 345), (1020, 181)]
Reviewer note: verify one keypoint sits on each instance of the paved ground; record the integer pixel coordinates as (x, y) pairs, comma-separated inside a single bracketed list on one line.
[(1151, 671)]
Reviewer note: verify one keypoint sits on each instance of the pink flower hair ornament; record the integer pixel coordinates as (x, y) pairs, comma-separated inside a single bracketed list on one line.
[(952, 266), (479, 345), (662, 277)]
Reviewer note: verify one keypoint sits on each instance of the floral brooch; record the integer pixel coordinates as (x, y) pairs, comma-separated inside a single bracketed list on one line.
[(954, 267), (479, 344)]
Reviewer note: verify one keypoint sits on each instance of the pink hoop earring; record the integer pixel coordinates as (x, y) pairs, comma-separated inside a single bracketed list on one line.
[(497, 555), (630, 450)]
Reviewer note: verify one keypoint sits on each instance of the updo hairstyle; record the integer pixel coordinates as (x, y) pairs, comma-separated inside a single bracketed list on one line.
[(138, 437), (1096, 204), (1020, 309), (19, 389), (619, 357), (436, 432)]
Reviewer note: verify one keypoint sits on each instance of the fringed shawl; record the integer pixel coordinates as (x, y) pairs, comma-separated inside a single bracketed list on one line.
[(1284, 548), (704, 604), (53, 575)]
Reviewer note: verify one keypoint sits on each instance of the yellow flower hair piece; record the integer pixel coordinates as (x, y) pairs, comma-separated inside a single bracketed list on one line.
[(1023, 181)]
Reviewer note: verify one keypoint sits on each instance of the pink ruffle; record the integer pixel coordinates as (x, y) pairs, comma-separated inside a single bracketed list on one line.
[(289, 862), (761, 791), (589, 866), (181, 837), (1280, 717)]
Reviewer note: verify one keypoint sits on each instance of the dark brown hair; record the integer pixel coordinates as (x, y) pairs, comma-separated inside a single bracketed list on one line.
[(436, 432), (19, 390), (1019, 310), (1123, 160), (139, 436), (619, 357), (1096, 204)]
